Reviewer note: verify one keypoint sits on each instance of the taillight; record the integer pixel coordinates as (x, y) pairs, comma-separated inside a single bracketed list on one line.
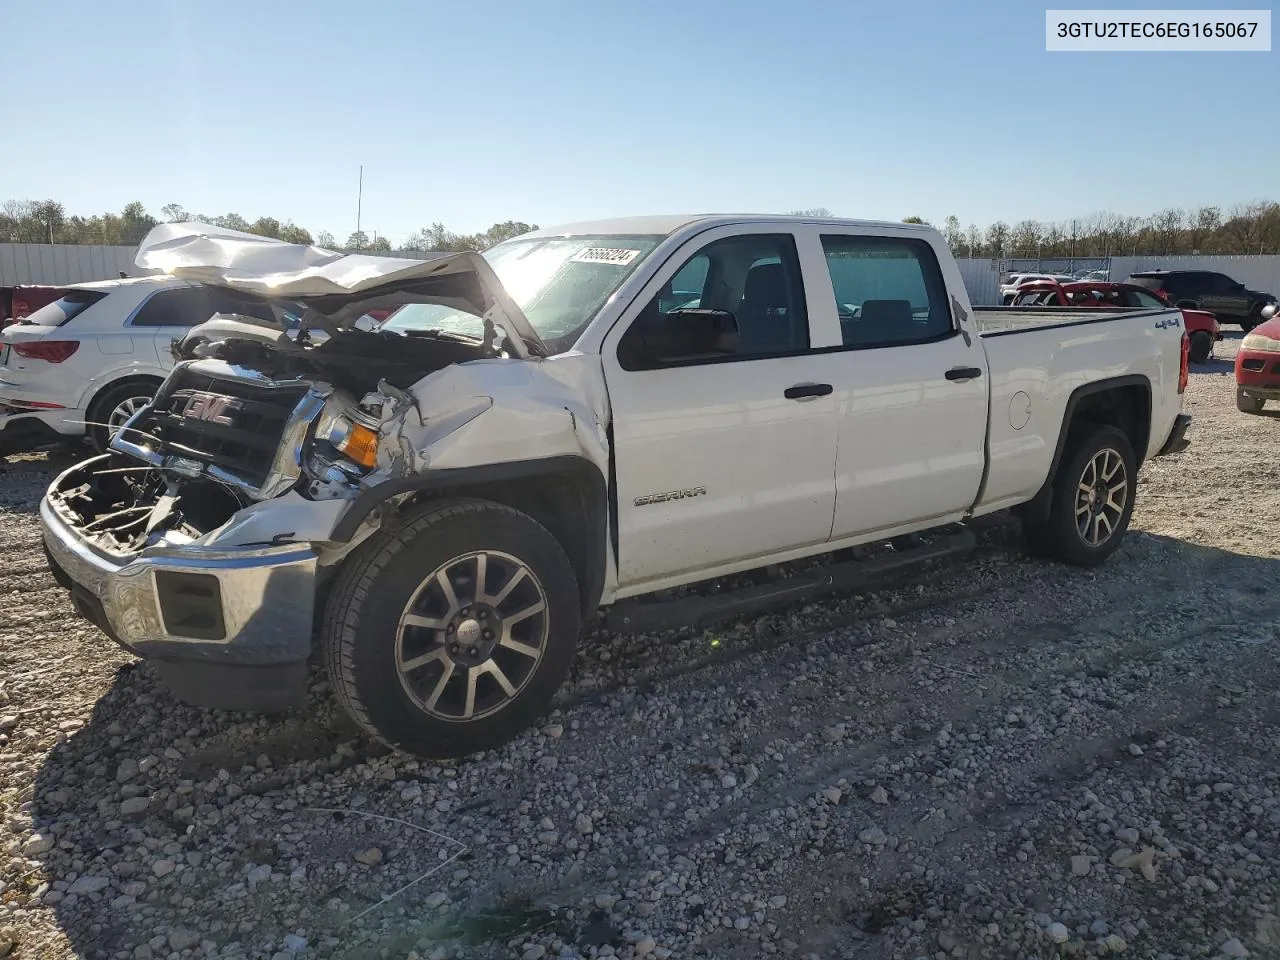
[(54, 351), (1184, 370)]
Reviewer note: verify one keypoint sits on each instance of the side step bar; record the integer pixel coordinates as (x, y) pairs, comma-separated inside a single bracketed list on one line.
[(639, 616)]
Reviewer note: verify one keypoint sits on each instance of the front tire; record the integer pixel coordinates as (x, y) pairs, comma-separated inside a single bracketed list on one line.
[(451, 634), (1201, 346), (1248, 404), (1092, 499)]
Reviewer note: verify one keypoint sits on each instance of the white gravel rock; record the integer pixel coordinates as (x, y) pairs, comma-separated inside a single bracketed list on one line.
[(1000, 672), (37, 844)]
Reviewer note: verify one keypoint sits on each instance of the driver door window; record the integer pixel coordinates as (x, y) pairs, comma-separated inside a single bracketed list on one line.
[(754, 279)]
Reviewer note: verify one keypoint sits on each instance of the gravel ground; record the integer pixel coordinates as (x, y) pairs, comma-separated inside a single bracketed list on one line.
[(1003, 758)]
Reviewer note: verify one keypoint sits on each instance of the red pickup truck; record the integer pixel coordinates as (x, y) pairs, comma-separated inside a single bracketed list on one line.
[(1201, 326)]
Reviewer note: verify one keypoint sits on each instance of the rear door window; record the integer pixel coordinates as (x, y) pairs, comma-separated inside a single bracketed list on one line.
[(889, 290), (60, 311)]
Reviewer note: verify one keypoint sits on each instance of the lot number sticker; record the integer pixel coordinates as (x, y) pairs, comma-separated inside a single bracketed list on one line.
[(614, 255)]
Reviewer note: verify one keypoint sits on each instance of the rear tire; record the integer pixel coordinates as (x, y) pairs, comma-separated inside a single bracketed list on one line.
[(1248, 404), (1092, 499), (438, 653), (111, 408), (1201, 346)]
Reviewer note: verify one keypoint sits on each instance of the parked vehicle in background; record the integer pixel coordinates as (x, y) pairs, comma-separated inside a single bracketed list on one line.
[(1226, 299), (439, 502), (1201, 326), (1014, 280), (85, 363), (17, 302), (1258, 364)]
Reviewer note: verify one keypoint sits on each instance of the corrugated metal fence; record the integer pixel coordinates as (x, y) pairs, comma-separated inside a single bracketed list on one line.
[(57, 264), (981, 280)]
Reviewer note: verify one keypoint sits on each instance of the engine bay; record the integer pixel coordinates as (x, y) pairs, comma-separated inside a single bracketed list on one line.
[(353, 360), (121, 507)]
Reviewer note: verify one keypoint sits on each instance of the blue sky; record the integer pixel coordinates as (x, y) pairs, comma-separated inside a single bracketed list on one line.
[(550, 111)]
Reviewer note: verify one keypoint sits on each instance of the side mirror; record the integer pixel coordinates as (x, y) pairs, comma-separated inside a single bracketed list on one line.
[(1270, 311), (1187, 305), (658, 340)]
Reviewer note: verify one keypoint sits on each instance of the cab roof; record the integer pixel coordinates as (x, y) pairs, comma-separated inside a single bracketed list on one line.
[(666, 225), (106, 286)]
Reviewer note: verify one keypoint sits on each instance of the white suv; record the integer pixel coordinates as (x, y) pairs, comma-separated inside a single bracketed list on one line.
[(1009, 289), (83, 365)]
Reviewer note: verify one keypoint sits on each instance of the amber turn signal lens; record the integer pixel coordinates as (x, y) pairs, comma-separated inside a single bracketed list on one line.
[(361, 445)]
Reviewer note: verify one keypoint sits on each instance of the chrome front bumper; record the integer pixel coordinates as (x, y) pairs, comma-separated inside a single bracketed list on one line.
[(254, 606)]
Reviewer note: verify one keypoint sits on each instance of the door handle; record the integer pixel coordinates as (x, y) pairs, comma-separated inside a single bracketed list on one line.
[(807, 391), (963, 373)]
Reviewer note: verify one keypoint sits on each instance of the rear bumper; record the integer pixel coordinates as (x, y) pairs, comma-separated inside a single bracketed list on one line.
[(1177, 440), (26, 429), (228, 628)]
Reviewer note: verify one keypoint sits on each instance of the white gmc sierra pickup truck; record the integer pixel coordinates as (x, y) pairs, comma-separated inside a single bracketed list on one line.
[(580, 418)]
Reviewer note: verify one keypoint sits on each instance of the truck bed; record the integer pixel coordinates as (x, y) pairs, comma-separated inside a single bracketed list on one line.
[(995, 321)]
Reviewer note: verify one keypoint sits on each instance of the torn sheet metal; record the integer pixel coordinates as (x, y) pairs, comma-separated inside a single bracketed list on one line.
[(330, 281)]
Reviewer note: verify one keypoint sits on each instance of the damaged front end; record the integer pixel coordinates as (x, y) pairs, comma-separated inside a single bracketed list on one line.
[(200, 539), (254, 410)]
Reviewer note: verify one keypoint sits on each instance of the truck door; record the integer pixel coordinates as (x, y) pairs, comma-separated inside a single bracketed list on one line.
[(911, 389), (726, 453)]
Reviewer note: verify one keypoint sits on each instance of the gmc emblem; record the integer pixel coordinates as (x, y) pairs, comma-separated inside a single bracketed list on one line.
[(210, 408)]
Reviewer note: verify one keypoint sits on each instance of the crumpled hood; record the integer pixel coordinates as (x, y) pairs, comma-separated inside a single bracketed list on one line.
[(339, 287)]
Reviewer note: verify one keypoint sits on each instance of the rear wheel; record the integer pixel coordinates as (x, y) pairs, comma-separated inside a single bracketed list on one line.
[(1201, 346), (1248, 404), (451, 634), (112, 408), (1092, 499)]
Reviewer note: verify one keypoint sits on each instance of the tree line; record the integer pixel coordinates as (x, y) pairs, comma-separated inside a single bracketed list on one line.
[(47, 221), (1251, 228)]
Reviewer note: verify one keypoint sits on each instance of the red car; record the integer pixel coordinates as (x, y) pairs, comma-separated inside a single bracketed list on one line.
[(1201, 326), (17, 302), (1258, 364)]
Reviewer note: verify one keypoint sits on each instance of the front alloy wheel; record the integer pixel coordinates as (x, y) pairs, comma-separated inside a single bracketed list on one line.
[(449, 631), (472, 636)]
